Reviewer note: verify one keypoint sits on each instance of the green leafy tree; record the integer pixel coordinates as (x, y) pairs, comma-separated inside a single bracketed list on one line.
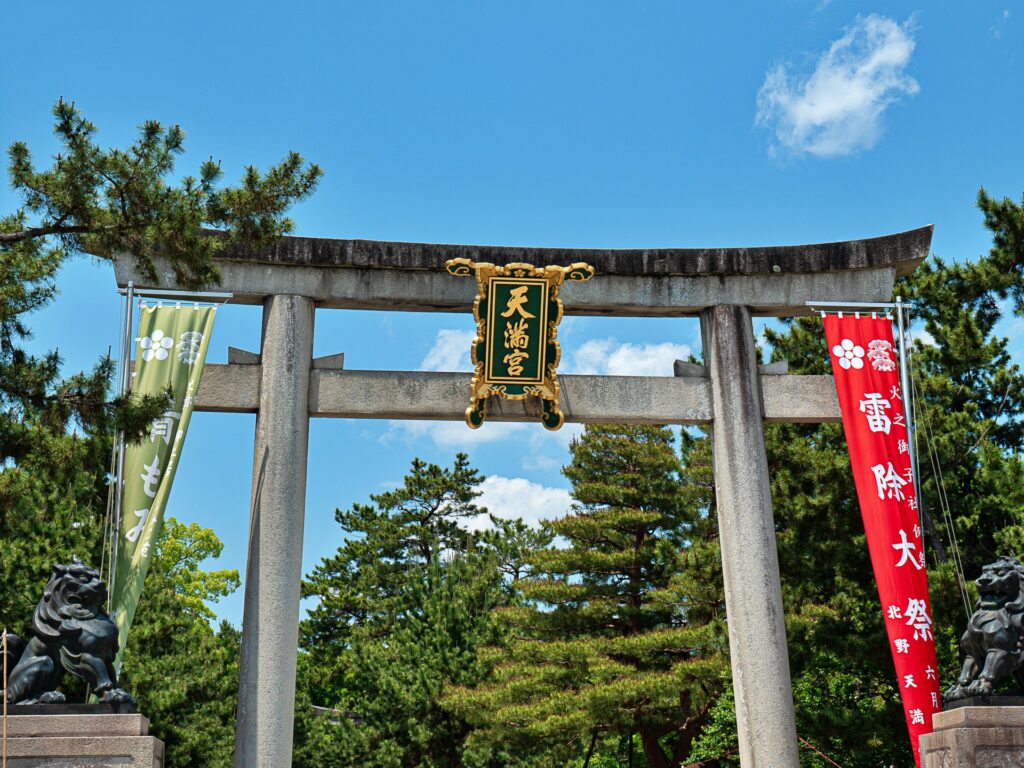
[(183, 673), (404, 605), (619, 634), (56, 432), (970, 408)]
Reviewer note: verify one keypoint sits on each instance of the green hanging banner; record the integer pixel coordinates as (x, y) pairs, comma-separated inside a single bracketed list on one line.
[(169, 353)]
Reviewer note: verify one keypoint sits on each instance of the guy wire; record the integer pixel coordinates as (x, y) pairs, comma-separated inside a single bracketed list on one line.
[(947, 516), (106, 555)]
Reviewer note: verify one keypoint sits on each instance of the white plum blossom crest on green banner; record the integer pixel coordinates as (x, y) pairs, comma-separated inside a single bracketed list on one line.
[(156, 345)]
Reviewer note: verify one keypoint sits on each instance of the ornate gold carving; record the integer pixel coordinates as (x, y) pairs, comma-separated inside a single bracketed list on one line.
[(517, 357)]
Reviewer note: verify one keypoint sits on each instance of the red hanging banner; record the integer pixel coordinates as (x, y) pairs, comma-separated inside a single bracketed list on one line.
[(874, 420)]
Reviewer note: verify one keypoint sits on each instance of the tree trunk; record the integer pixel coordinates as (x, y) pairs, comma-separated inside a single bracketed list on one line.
[(656, 757), (590, 750), (933, 534)]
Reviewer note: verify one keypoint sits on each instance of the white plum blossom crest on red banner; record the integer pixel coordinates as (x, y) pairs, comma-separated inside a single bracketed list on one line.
[(849, 354)]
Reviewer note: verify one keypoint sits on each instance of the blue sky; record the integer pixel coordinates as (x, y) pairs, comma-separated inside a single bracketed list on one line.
[(588, 124)]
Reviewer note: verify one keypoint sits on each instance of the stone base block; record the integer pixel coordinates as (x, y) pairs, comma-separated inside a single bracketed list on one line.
[(82, 741), (975, 737)]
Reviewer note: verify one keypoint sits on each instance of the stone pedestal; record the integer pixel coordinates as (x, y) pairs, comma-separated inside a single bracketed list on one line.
[(975, 737), (81, 741)]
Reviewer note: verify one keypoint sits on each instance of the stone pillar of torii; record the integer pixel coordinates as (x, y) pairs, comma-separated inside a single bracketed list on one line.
[(725, 287)]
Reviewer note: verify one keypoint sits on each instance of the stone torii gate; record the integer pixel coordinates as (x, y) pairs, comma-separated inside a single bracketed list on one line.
[(285, 386)]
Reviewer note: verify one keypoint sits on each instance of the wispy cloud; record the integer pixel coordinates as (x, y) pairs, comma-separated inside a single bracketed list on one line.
[(512, 497), (451, 435), (550, 450), (998, 29), (838, 108), (608, 356), (450, 351)]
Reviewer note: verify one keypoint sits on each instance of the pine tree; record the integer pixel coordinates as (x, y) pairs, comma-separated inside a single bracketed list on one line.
[(615, 636), (403, 607), (56, 432), (971, 405), (119, 200)]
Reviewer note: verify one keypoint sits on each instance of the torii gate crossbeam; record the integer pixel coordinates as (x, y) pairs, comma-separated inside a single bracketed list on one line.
[(724, 287)]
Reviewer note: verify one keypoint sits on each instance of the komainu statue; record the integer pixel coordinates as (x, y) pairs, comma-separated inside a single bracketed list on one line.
[(72, 633), (993, 645)]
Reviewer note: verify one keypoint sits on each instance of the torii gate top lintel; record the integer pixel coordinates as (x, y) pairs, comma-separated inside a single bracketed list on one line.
[(374, 274), (730, 394)]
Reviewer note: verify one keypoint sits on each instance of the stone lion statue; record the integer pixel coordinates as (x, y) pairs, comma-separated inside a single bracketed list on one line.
[(993, 645), (72, 633)]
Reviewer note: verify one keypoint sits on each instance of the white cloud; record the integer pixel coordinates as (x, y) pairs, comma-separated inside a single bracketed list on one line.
[(512, 497), (454, 435), (450, 351), (608, 356), (544, 443), (838, 108), (547, 450), (999, 28)]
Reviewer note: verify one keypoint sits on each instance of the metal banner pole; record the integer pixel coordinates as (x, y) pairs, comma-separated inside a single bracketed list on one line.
[(122, 387), (5, 700), (909, 412)]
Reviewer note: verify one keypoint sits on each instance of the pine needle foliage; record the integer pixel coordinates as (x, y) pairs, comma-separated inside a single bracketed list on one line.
[(612, 637), (404, 605), (971, 415), (57, 430), (109, 201)]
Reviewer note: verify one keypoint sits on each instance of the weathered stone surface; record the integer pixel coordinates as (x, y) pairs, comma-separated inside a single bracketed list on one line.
[(664, 282), (902, 250), (82, 741), (335, 362), (238, 356), (781, 294), (584, 399), (999, 700), (444, 396), (750, 566), (231, 388), (975, 737), (270, 624), (22, 726)]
